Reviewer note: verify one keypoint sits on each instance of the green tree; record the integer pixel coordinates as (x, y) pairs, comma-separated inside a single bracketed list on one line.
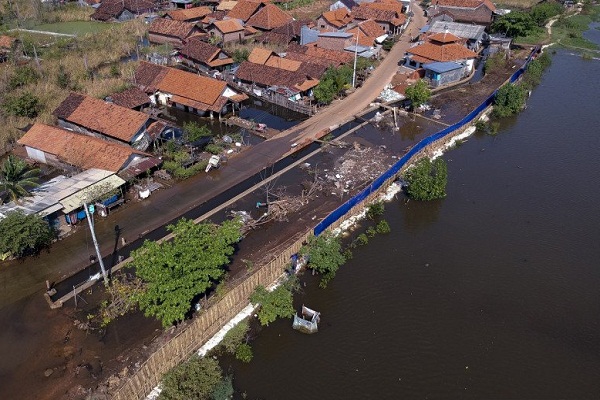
[(325, 91), (193, 131), (16, 178), (22, 235), (224, 389), (333, 81), (277, 303), (542, 12), (427, 180), (325, 256), (23, 105), (197, 378), (244, 353), (514, 24), (178, 270), (235, 336), (509, 100), (418, 93)]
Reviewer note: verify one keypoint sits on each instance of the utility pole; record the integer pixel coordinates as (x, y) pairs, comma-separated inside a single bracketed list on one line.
[(91, 224), (355, 57)]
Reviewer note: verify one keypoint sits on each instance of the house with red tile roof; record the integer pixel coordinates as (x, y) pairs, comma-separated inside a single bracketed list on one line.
[(383, 13), (268, 18), (334, 20), (293, 84), (285, 34), (204, 56), (108, 121), (122, 10), (68, 150), (170, 31), (186, 91), (479, 12), (366, 32), (194, 14), (441, 47), (227, 30), (132, 98)]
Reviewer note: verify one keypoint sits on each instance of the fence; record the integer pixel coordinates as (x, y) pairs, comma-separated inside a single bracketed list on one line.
[(209, 322)]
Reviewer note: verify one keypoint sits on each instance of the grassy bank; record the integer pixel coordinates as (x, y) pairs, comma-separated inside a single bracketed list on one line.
[(567, 30)]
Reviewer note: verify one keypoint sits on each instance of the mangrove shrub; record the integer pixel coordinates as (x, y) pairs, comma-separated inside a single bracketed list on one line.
[(509, 100), (427, 180), (325, 256), (197, 378), (275, 304)]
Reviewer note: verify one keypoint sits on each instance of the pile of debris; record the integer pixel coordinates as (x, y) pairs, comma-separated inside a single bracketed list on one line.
[(358, 167)]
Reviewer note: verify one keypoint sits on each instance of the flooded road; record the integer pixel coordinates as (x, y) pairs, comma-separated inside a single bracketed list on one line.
[(490, 293)]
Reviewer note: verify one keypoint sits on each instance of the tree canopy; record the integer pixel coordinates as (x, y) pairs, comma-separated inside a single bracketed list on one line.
[(427, 180), (197, 378), (325, 256), (277, 303), (418, 93), (332, 83), (514, 24), (16, 177), (176, 271), (22, 234), (509, 100)]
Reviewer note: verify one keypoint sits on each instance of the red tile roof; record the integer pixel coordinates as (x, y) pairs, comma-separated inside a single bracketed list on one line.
[(82, 151), (228, 25), (378, 12), (269, 17), (188, 14), (444, 37), (102, 117), (110, 9), (336, 56), (191, 86), (269, 76), (147, 75), (170, 27), (259, 55), (244, 9), (338, 18), (429, 52), (465, 3), (199, 51), (130, 98)]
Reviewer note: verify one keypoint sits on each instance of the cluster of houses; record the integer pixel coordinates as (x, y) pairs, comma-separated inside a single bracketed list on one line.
[(201, 32), (110, 140), (446, 48)]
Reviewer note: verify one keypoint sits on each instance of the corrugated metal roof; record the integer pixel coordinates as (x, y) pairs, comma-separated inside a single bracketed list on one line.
[(441, 67), (91, 192), (466, 31)]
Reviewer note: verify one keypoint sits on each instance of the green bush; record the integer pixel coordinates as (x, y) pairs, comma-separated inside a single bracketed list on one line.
[(193, 131), (375, 210), (23, 76), (542, 12), (235, 337), (197, 378), (23, 105), (244, 353), (371, 232), (383, 227), (275, 304), (213, 148), (324, 255), (509, 100), (224, 389), (427, 180)]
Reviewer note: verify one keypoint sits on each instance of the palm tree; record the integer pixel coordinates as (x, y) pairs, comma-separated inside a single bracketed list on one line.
[(16, 178)]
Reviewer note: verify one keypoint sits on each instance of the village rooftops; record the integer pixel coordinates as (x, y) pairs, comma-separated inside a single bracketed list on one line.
[(195, 87), (100, 116), (271, 76), (169, 27), (110, 9), (338, 18), (269, 17), (79, 150), (336, 57), (226, 5), (428, 52), (444, 37), (189, 14)]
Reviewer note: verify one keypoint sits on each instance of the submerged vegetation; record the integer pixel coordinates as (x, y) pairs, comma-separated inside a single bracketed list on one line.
[(427, 179), (325, 256)]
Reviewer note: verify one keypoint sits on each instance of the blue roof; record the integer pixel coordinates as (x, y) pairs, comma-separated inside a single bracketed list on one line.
[(308, 35), (441, 67), (424, 29)]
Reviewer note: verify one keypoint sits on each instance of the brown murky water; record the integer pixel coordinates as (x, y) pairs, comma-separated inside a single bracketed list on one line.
[(490, 293)]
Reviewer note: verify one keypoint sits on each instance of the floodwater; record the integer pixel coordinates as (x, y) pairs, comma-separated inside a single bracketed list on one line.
[(490, 293)]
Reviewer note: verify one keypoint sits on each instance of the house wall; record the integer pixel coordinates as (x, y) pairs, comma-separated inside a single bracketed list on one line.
[(233, 37), (444, 78)]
